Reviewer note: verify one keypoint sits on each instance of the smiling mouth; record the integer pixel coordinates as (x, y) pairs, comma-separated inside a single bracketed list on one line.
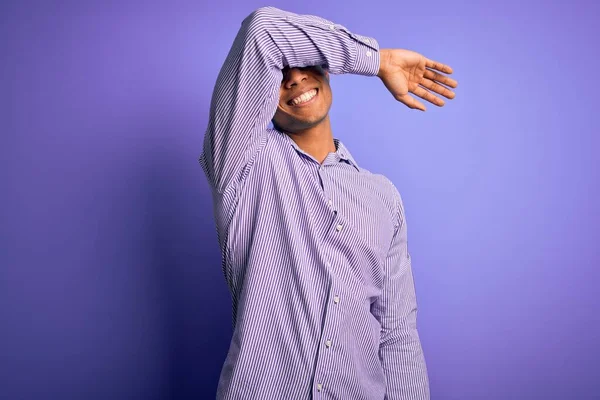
[(304, 99)]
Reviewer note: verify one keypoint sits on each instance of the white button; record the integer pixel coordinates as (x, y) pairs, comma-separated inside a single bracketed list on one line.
[(329, 202), (319, 386), (336, 299), (332, 27), (328, 343), (368, 54), (339, 228)]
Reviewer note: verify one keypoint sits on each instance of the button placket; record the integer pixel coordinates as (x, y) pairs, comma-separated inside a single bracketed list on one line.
[(328, 339), (332, 315)]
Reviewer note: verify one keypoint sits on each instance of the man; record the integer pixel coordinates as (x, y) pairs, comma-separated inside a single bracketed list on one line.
[(314, 247)]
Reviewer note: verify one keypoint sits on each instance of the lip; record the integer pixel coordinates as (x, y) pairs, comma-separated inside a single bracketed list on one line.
[(308, 102)]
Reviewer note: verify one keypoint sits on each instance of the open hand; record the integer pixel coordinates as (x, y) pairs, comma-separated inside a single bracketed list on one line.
[(405, 71)]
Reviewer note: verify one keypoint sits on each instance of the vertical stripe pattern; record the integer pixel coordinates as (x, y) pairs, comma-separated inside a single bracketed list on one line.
[(315, 255)]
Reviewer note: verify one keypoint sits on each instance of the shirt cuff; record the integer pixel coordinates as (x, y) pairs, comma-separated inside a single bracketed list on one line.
[(367, 56)]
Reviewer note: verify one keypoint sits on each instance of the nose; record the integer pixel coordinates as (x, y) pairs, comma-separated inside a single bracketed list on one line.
[(293, 77)]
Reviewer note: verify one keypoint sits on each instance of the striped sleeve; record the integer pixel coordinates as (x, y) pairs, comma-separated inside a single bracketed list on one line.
[(246, 93), (400, 348)]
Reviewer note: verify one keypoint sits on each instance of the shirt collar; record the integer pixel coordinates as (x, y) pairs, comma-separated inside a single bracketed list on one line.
[(341, 153), (344, 153)]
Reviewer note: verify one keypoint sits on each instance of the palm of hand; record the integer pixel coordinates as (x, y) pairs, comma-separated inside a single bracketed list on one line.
[(405, 71)]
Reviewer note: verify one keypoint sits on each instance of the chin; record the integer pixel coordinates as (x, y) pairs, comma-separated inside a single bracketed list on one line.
[(291, 122)]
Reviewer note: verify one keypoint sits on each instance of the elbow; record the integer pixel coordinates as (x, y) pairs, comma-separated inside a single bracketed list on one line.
[(401, 333), (260, 19), (263, 13)]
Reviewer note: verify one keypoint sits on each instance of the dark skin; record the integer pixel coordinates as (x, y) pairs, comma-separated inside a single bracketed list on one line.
[(403, 72), (308, 124)]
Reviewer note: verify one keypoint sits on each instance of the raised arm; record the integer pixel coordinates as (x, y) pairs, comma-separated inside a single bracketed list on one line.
[(246, 94), (400, 348)]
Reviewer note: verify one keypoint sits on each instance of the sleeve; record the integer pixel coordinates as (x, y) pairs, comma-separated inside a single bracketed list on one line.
[(246, 93), (400, 348)]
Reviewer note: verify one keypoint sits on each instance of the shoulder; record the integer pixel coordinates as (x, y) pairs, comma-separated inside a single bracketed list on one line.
[(388, 192), (393, 196)]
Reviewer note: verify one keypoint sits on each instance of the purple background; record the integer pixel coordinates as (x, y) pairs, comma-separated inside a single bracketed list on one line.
[(110, 279)]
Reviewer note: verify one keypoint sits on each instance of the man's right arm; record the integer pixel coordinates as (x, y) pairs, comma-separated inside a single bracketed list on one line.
[(246, 94)]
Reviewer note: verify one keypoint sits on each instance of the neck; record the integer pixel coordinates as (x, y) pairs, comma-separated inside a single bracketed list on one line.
[(316, 141)]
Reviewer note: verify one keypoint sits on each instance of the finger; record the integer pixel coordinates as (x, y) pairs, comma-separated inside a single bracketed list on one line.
[(430, 97), (434, 87), (434, 76), (411, 102), (439, 66)]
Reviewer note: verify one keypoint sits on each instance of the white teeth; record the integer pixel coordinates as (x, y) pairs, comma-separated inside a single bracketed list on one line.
[(304, 97)]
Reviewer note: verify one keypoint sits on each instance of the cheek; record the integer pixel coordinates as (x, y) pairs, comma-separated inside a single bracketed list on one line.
[(327, 97)]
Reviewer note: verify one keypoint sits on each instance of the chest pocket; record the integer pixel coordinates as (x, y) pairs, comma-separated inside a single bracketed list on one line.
[(366, 214)]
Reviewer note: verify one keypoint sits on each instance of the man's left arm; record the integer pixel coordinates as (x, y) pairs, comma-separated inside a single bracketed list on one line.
[(400, 348)]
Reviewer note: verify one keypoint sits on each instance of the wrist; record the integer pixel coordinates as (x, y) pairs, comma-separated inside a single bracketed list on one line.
[(384, 55)]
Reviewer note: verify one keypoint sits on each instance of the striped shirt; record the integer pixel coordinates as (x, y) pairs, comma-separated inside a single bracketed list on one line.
[(314, 254)]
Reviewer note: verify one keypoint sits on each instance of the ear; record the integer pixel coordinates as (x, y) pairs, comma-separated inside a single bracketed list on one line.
[(326, 73), (322, 69)]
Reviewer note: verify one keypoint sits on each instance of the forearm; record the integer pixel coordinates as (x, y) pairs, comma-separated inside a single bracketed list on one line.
[(400, 350), (404, 367), (305, 40)]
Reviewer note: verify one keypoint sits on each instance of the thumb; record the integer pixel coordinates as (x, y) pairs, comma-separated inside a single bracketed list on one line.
[(411, 102)]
